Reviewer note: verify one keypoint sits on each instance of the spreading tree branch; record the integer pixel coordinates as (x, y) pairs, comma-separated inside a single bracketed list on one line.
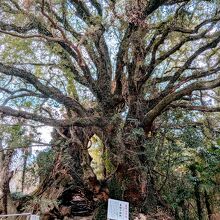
[(195, 108), (158, 109), (80, 122), (49, 92)]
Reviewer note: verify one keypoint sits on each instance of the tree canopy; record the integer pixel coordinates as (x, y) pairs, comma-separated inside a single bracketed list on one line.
[(131, 74)]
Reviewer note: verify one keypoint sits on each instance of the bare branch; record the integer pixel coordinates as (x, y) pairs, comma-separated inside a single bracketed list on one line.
[(189, 61), (80, 122), (26, 115), (50, 92), (97, 5), (12, 27), (55, 39), (195, 108), (32, 94), (158, 109)]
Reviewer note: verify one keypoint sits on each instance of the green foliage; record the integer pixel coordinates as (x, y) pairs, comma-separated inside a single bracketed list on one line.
[(14, 136), (218, 141), (71, 87), (15, 50), (45, 162), (108, 164), (101, 212), (115, 189), (192, 137), (38, 71), (182, 149), (27, 104)]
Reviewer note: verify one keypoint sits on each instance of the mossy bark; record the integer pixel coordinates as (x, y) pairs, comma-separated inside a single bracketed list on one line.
[(130, 151)]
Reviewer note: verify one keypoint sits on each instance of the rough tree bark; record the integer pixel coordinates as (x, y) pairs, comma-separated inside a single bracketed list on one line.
[(6, 203), (197, 192)]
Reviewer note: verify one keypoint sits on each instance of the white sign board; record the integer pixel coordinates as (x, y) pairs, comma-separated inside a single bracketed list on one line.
[(118, 210), (34, 217)]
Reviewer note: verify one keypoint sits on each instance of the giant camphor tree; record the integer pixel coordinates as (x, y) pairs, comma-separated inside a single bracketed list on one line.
[(110, 69)]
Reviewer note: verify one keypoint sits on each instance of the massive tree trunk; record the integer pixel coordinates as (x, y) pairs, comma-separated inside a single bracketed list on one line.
[(134, 177), (132, 152), (64, 187), (72, 188)]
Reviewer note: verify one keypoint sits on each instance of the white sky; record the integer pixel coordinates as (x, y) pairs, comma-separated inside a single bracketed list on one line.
[(45, 133)]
